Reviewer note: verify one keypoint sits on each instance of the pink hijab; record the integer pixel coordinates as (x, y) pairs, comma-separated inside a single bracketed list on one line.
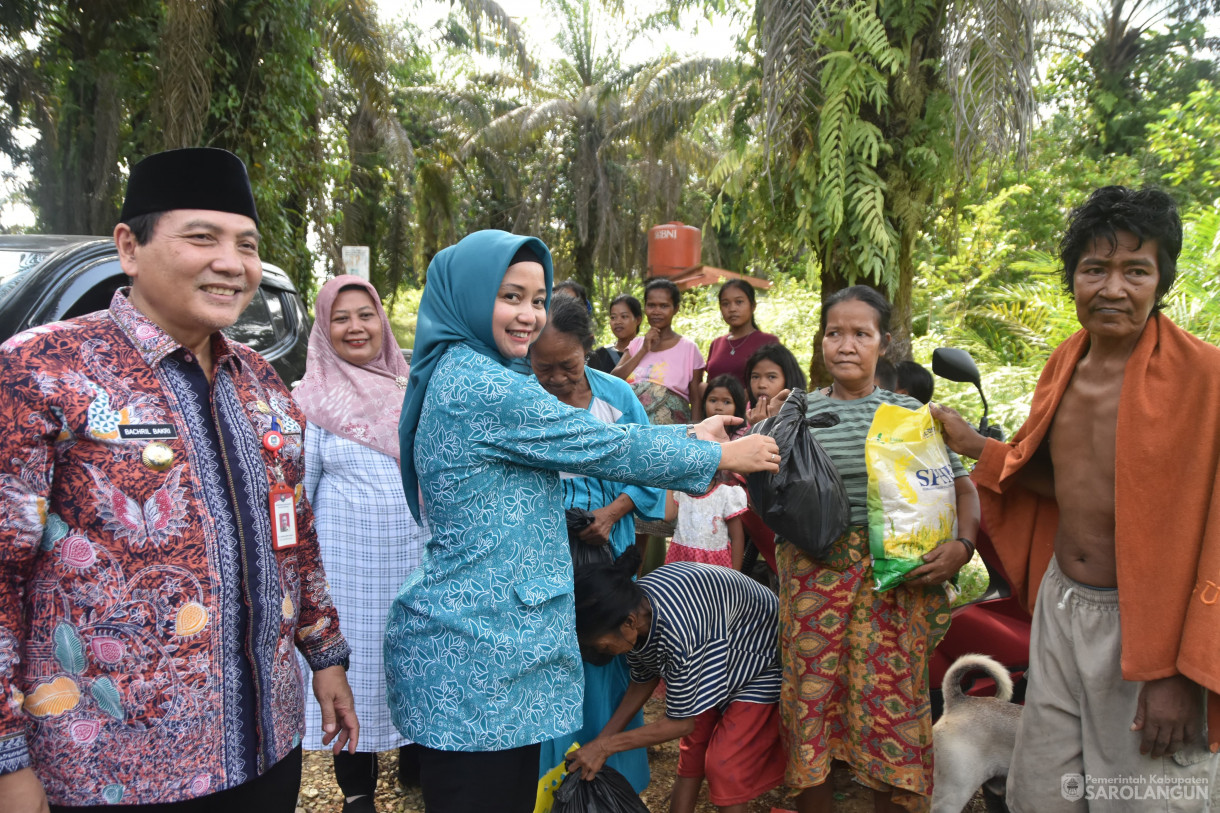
[(358, 403)]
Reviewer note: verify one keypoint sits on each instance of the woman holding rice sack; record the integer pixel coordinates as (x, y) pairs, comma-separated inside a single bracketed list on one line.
[(855, 659)]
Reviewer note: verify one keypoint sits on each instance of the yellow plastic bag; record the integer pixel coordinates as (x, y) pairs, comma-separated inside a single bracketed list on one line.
[(912, 503), (550, 782)]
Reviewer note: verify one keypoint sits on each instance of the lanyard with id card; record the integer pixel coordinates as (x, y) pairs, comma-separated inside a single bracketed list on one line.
[(282, 499)]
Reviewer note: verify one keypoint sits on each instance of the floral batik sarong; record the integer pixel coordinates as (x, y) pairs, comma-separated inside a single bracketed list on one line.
[(664, 408), (856, 671)]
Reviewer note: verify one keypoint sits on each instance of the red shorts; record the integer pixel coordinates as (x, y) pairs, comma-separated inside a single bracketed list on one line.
[(739, 751)]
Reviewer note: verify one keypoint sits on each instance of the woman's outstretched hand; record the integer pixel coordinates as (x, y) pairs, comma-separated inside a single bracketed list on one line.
[(716, 428), (750, 454), (744, 455)]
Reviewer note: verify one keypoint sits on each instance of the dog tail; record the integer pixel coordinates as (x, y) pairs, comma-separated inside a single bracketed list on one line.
[(951, 687)]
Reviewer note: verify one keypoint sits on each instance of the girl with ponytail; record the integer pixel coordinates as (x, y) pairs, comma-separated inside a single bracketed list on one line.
[(728, 353)]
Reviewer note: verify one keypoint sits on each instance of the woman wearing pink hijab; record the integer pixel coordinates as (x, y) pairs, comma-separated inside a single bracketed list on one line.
[(352, 394)]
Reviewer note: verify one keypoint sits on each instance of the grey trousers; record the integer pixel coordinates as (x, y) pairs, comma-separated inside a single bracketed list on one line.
[(1075, 748)]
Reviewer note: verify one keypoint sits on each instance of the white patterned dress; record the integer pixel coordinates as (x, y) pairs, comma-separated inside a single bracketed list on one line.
[(370, 545)]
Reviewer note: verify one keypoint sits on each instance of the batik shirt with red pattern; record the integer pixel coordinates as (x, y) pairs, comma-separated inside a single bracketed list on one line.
[(147, 627)]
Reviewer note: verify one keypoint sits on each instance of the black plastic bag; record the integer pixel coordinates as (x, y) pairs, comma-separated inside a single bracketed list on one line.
[(584, 554), (608, 792), (804, 502)]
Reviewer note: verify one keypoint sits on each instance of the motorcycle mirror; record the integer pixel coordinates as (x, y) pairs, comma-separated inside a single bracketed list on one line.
[(955, 365)]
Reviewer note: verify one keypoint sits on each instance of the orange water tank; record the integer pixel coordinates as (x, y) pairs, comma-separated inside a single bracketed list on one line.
[(673, 248)]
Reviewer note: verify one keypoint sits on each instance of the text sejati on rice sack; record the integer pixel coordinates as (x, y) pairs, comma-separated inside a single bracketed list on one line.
[(912, 502)]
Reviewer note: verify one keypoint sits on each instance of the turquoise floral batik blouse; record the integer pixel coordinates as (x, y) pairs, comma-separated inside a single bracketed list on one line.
[(480, 648)]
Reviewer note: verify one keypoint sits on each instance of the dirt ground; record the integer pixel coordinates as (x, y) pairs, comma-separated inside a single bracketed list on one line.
[(320, 794)]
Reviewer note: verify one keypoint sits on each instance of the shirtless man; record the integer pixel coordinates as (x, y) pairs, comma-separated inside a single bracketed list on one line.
[(1104, 711)]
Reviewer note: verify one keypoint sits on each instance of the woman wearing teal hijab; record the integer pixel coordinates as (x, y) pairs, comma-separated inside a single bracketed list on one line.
[(481, 658)]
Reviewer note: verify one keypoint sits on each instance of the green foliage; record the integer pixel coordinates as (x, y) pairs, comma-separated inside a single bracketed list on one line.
[(1194, 301), (865, 111), (848, 206), (847, 141), (74, 74), (1122, 65), (588, 156), (267, 92), (841, 191), (102, 89), (402, 312), (1186, 143)]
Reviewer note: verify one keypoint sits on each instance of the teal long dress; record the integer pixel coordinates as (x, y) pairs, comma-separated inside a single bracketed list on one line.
[(613, 402)]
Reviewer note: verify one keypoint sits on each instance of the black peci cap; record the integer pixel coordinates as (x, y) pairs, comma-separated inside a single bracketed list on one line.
[(192, 178)]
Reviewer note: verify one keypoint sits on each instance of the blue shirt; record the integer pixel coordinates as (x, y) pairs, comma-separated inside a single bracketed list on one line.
[(481, 650), (614, 402)]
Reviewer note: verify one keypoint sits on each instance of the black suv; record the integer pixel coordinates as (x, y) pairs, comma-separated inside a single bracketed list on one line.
[(46, 278)]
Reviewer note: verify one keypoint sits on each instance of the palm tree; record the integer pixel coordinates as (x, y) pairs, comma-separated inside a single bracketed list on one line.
[(66, 71), (386, 191), (1127, 59), (866, 110), (619, 151), (278, 82), (116, 81)]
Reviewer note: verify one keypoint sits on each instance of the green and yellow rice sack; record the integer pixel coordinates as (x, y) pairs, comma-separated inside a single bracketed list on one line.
[(912, 504)]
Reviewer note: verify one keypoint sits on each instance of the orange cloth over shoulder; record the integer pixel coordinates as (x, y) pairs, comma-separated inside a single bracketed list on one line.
[(1167, 504)]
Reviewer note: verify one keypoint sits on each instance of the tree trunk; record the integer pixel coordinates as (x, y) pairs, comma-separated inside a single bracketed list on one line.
[(180, 107), (900, 316), (584, 264), (103, 175), (76, 165)]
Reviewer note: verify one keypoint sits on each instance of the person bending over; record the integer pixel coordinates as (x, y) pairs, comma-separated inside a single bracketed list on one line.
[(712, 634)]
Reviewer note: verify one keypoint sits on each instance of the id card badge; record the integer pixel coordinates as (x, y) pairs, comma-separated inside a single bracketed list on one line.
[(283, 517)]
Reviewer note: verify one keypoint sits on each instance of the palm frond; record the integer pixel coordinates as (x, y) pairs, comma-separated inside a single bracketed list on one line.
[(670, 76), (519, 125), (354, 39), (492, 14), (989, 69), (661, 121), (733, 164), (788, 31), (470, 108), (1194, 300)]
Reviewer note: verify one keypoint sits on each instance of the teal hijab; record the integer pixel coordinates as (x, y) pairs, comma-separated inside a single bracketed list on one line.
[(459, 296)]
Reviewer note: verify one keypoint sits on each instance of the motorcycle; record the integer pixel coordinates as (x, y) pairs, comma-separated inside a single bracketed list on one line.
[(995, 624), (953, 364)]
